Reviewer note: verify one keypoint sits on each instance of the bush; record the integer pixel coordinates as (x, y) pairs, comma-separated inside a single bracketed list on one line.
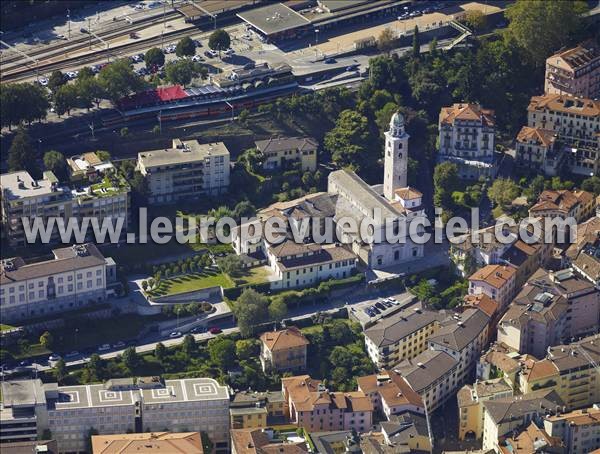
[(124, 132)]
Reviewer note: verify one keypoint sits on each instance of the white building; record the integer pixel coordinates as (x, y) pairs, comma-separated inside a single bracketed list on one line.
[(186, 170), (396, 157), (77, 276), (466, 136), (115, 407)]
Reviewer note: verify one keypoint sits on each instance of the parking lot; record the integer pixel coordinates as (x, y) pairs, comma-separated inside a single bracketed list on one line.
[(369, 311)]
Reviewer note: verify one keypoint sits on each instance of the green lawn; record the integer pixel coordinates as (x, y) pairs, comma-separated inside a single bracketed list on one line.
[(191, 282), (6, 327), (256, 275)]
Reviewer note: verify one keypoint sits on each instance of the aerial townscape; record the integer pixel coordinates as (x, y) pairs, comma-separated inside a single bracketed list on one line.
[(300, 226)]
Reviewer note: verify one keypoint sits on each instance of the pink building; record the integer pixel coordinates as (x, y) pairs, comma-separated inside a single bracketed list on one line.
[(575, 71), (311, 406), (496, 281)]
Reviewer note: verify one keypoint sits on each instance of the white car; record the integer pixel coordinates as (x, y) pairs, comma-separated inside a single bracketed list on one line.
[(61, 36), (229, 52), (197, 58), (43, 81)]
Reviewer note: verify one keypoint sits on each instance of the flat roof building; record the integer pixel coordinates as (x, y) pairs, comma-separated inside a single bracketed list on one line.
[(149, 442), (276, 21)]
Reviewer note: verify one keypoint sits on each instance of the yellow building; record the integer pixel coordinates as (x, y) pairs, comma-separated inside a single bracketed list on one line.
[(401, 336), (283, 350), (251, 409), (279, 152), (248, 417), (569, 370), (470, 405)]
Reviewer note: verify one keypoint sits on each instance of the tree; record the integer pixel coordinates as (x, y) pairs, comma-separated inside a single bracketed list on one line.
[(56, 80), (243, 117), (61, 370), (277, 310), (183, 71), (222, 352), (385, 41), (130, 358), (244, 209), (47, 340), (445, 182), (219, 40), (475, 19), (89, 91), (95, 366), (189, 345), (384, 115), (540, 28), (350, 140), (160, 352), (246, 349), (22, 102), (119, 80), (103, 155), (85, 73), (65, 99), (154, 57), (230, 264), (503, 191), (145, 285), (55, 162), (21, 155), (185, 47), (416, 44), (251, 310), (592, 185)]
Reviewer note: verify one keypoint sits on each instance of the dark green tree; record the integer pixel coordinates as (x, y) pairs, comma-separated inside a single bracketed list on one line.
[(154, 57), (21, 155), (219, 40), (118, 80), (222, 352), (56, 80), (55, 162), (185, 47)]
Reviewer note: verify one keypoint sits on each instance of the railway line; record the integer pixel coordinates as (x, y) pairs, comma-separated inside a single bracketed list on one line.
[(12, 67)]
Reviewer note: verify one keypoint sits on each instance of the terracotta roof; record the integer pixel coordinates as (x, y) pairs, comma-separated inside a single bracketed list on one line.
[(586, 233), (495, 275), (562, 200), (483, 302), (408, 193), (512, 408), (588, 264), (150, 442), (467, 112), (255, 441), (290, 248), (537, 136), (393, 388), (531, 440), (566, 104), (578, 56), (284, 339), (537, 370), (583, 417)]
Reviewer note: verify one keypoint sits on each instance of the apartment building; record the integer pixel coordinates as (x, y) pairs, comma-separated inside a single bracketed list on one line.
[(526, 258), (75, 277), (500, 361), (470, 405), (282, 152), (26, 197), (574, 71), (116, 407), (564, 204), (23, 413), (433, 375), (551, 308), (579, 430), (496, 281), (404, 433), (390, 394), (531, 440), (136, 443), (401, 336), (503, 416), (576, 121), (263, 441), (187, 170), (250, 409), (479, 248), (283, 351), (466, 137), (570, 370), (312, 406), (303, 265), (539, 150), (587, 262)]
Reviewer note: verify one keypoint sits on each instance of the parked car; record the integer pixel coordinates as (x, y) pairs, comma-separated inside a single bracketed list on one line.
[(175, 334), (352, 67), (119, 344), (229, 51), (197, 43), (43, 81), (211, 53), (330, 60), (72, 354), (61, 36), (215, 330), (83, 30), (198, 58), (380, 306), (104, 347)]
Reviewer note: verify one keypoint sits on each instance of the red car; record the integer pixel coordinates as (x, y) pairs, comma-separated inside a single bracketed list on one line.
[(215, 330)]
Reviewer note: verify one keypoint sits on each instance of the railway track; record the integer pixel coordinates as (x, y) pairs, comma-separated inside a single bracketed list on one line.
[(70, 62), (15, 63)]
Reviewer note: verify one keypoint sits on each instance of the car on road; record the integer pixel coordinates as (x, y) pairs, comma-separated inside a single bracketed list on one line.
[(83, 30), (352, 67), (104, 347), (198, 329), (215, 330), (175, 334), (61, 36), (72, 354), (330, 60), (53, 359), (119, 344)]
